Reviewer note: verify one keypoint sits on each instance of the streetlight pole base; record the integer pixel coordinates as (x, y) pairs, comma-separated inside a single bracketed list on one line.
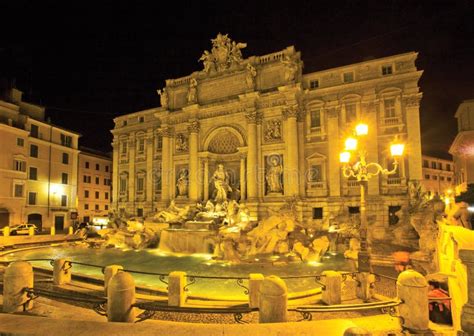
[(363, 260)]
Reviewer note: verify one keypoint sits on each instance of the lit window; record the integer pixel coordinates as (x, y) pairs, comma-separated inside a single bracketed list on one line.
[(387, 70), (348, 77), (314, 84), (33, 173), (20, 142), (389, 107)]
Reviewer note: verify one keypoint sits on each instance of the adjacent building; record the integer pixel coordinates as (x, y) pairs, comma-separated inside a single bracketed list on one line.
[(438, 176), (38, 166), (462, 148), (273, 134), (94, 186)]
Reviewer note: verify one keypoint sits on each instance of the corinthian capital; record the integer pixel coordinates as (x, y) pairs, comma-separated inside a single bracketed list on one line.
[(253, 116), (194, 127), (291, 112), (412, 100), (167, 132)]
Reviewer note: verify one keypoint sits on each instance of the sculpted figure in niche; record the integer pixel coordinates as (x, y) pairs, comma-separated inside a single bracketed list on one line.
[(250, 78), (273, 176), (163, 98), (290, 69), (181, 143), (182, 183), (192, 91), (221, 184)]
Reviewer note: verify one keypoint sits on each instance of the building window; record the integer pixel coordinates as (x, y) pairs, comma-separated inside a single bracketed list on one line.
[(96, 195), (34, 131), (106, 207), (87, 179), (314, 84), (140, 184), (448, 179), (351, 112), (86, 206), (448, 167), (123, 184), (86, 193), (316, 118), (440, 166), (33, 173), (427, 177), (32, 198), (106, 168), (317, 213), (124, 148), (63, 200), (18, 192), (433, 165), (435, 177), (389, 108), (441, 178), (65, 158), (66, 140), (140, 212), (96, 207), (106, 182), (387, 70), (34, 151), (20, 165), (425, 163), (97, 180), (348, 77), (124, 123), (87, 164), (106, 195), (141, 119), (64, 178), (141, 146), (353, 210), (97, 166), (20, 142)]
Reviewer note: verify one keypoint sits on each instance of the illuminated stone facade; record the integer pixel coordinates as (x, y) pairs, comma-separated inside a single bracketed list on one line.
[(38, 166), (462, 148), (438, 176), (256, 114)]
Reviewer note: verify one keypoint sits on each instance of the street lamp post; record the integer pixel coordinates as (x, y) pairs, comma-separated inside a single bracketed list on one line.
[(363, 171)]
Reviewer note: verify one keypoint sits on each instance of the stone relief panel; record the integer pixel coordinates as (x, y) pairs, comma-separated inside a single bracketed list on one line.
[(181, 144), (272, 130)]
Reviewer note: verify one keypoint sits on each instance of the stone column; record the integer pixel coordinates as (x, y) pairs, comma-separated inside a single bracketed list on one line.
[(120, 298), (115, 175), (301, 155), (412, 289), (166, 165), (332, 293), (334, 148), (176, 293), (131, 173), (18, 276), (255, 282), (61, 272), (206, 179), (149, 169), (273, 300), (252, 159), (413, 152), (243, 180), (467, 315), (291, 164), (193, 161)]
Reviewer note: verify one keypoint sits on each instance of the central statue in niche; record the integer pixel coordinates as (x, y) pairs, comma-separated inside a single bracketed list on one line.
[(221, 183)]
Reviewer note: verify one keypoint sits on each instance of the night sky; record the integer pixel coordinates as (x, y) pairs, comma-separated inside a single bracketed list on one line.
[(88, 62)]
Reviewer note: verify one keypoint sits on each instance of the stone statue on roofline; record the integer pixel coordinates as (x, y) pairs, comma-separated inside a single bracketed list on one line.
[(224, 54), (163, 98)]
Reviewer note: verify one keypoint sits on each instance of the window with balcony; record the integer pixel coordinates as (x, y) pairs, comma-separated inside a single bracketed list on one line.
[(315, 116), (389, 108)]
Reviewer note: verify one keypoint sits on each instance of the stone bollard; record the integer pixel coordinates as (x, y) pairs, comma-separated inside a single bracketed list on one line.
[(255, 281), (61, 272), (70, 230), (176, 292), (364, 289), (356, 331), (31, 231), (273, 300), (412, 289), (333, 287), (467, 314), (120, 298), (18, 276), (109, 272), (52, 232), (6, 231)]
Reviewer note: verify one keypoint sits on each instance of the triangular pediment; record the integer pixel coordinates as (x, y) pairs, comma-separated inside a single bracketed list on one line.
[(316, 156)]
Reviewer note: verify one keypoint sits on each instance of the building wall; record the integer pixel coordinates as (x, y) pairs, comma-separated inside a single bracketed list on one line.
[(94, 197), (244, 123), (438, 176)]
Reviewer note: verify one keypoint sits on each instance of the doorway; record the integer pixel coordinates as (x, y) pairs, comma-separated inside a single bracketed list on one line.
[(59, 223), (37, 220), (4, 217)]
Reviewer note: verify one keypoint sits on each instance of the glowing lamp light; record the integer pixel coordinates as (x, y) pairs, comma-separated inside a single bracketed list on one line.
[(397, 149), (362, 129), (351, 144), (345, 157), (56, 189), (470, 209)]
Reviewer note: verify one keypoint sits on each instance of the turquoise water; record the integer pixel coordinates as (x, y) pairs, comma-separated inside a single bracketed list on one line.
[(153, 260)]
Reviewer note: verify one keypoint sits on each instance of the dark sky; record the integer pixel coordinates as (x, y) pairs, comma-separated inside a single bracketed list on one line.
[(90, 61)]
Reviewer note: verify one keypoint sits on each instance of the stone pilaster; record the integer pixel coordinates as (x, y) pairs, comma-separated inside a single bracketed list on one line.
[(413, 146), (206, 180), (243, 182), (301, 157), (149, 169), (334, 168), (131, 173), (115, 175), (291, 143), (252, 159), (193, 160), (166, 166)]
